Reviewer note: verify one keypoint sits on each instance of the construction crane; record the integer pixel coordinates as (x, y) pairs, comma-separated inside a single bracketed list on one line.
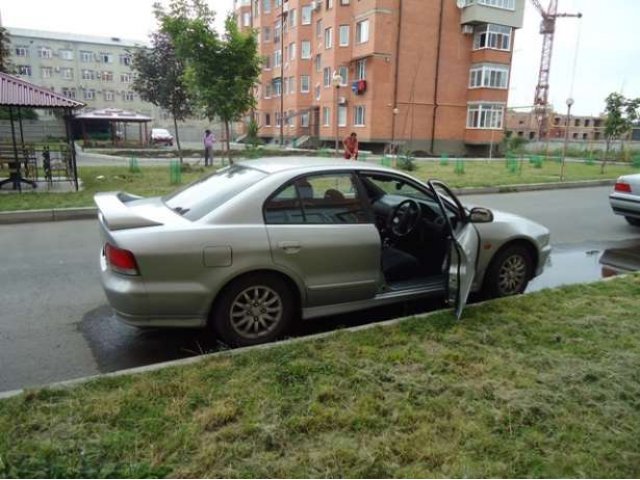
[(547, 29)]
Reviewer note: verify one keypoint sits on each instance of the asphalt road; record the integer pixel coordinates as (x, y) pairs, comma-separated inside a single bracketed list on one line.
[(55, 323)]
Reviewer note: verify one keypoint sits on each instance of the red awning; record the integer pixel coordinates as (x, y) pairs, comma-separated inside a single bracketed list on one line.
[(15, 92)]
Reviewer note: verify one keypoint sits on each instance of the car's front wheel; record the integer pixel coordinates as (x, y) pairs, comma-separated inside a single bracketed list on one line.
[(257, 308), (633, 221), (509, 272)]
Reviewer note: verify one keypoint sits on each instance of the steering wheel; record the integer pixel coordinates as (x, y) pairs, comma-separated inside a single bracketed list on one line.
[(404, 218)]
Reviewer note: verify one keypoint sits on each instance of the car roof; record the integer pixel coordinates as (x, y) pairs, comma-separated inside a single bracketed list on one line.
[(308, 164)]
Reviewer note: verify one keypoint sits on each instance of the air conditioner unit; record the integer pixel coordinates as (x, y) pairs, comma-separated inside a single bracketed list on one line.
[(316, 4), (342, 100), (285, 7), (467, 29), (57, 69)]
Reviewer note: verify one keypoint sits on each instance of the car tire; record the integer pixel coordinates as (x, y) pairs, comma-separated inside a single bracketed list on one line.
[(256, 308), (633, 221), (509, 272)]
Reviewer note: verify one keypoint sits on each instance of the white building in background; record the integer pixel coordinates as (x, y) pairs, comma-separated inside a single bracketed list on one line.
[(94, 70)]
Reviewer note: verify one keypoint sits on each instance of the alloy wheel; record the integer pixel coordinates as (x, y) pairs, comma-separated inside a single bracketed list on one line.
[(512, 275), (256, 311)]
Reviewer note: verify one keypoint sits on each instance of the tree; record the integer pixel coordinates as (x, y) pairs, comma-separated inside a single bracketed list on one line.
[(161, 80), (221, 72), (5, 52), (621, 113)]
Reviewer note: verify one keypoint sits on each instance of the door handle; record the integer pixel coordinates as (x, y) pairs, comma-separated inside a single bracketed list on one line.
[(290, 247)]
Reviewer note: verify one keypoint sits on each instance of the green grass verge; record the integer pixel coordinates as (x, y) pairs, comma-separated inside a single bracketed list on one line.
[(542, 385), (155, 180)]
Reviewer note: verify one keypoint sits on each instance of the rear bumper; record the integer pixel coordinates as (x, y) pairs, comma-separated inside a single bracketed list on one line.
[(129, 297), (625, 204)]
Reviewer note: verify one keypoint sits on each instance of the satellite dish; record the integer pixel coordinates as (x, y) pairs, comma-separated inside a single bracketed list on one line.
[(461, 4)]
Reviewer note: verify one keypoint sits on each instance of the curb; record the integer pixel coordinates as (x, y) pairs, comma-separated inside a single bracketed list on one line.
[(201, 358), (83, 213)]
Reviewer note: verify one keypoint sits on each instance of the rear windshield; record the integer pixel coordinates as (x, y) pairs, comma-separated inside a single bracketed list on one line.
[(205, 195)]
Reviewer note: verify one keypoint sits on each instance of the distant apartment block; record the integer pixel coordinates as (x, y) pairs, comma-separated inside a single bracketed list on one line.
[(579, 127), (432, 75), (93, 70)]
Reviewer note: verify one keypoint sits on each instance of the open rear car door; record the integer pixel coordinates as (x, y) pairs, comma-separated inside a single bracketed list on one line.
[(464, 242)]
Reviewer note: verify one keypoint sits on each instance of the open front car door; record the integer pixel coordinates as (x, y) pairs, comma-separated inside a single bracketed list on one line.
[(464, 242)]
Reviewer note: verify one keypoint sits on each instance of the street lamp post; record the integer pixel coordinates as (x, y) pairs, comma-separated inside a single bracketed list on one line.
[(566, 137), (337, 80)]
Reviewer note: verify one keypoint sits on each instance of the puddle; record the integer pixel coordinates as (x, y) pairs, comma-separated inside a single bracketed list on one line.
[(587, 263)]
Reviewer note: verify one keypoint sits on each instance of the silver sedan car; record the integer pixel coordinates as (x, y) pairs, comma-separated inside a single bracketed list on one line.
[(625, 198), (256, 246)]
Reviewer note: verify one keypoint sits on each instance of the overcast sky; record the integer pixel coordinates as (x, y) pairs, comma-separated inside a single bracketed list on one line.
[(605, 41)]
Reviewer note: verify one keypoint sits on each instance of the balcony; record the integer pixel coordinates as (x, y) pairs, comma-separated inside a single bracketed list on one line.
[(499, 12)]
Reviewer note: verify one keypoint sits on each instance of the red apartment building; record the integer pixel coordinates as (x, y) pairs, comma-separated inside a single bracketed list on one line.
[(431, 75)]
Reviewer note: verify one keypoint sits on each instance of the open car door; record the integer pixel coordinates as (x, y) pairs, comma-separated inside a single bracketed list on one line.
[(464, 242)]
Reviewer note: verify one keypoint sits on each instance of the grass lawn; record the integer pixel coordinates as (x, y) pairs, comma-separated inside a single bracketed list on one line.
[(542, 385), (155, 180)]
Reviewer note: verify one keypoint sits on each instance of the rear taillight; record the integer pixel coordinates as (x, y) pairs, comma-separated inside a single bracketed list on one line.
[(622, 187), (121, 260)]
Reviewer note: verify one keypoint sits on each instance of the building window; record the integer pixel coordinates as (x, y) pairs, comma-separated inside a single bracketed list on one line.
[(267, 119), (344, 35), (319, 28), (318, 63), (358, 116), (22, 51), (47, 72), (278, 122), (362, 31), (305, 83), (326, 76), (326, 116), (361, 69), (45, 52), (317, 92), (306, 15), (292, 17), (305, 50), (489, 76), (125, 77), (277, 30), (277, 58), (485, 115), (108, 96), (277, 87), (344, 2), (106, 57), (304, 119), (266, 6), (292, 85), (88, 75), (342, 116), (246, 19), (86, 57), (266, 33), (496, 37), (344, 75), (506, 4), (292, 52), (69, 92), (328, 37), (106, 76), (128, 96), (291, 119), (66, 54), (328, 4), (67, 73), (24, 70), (89, 94), (125, 59), (266, 60), (267, 91)]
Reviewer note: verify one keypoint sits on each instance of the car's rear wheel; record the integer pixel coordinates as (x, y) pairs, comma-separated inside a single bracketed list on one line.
[(633, 221), (254, 309), (509, 272)]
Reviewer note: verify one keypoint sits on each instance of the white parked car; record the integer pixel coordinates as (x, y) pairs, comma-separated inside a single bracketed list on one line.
[(161, 136), (625, 198)]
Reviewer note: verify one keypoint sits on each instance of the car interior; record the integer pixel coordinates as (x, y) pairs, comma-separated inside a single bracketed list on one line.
[(412, 229)]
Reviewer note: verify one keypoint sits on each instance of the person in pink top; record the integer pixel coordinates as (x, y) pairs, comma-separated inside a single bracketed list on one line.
[(208, 141), (351, 146)]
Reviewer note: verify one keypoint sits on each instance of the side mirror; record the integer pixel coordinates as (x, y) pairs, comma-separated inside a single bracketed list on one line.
[(481, 215)]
